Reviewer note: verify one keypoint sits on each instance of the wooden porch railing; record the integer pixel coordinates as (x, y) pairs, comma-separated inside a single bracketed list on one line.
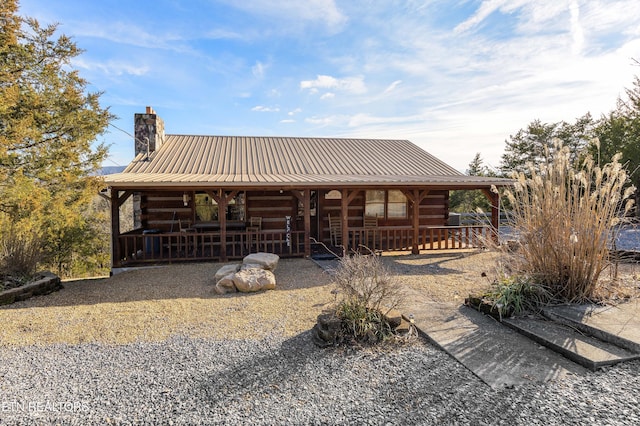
[(430, 238), (140, 248), (136, 247)]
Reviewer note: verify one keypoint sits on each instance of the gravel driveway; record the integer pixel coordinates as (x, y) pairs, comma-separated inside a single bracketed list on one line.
[(249, 360)]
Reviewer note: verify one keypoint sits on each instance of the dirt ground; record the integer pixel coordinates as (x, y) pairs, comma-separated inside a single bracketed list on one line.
[(155, 303)]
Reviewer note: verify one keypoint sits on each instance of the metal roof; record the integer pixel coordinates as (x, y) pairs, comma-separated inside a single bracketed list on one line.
[(187, 160)]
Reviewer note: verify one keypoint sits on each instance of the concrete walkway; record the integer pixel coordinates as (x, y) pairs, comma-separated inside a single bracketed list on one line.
[(502, 357), (619, 324), (499, 356), (506, 356)]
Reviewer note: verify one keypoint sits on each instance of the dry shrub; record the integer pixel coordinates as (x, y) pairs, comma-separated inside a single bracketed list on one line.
[(20, 253), (369, 292), (564, 217), (365, 279)]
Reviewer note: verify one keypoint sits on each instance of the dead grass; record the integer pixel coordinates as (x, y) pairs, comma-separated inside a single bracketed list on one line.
[(444, 276), (154, 304)]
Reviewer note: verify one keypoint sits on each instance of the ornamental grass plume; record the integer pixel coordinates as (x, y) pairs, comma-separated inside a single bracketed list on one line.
[(565, 217)]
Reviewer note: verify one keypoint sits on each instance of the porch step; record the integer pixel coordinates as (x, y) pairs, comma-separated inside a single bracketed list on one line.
[(583, 349)]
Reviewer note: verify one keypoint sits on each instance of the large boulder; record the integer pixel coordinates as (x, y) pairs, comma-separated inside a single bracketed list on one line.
[(255, 279), (226, 270), (226, 285), (268, 261)]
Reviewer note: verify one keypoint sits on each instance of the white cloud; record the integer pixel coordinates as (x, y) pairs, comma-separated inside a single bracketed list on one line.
[(392, 86), (287, 120), (576, 29), (323, 11), (222, 34), (323, 121), (258, 69), (328, 95), (111, 68), (261, 108), (486, 8), (294, 112), (353, 85)]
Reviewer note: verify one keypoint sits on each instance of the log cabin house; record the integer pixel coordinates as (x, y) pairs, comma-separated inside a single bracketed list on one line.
[(222, 197)]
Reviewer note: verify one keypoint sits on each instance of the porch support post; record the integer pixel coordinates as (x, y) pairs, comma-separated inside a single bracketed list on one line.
[(304, 197), (344, 216), (347, 198), (116, 201), (494, 200), (222, 198), (416, 196), (115, 228), (307, 222)]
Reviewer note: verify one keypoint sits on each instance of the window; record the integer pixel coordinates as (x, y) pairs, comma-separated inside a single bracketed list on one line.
[(374, 203), (396, 205), (207, 208), (386, 204)]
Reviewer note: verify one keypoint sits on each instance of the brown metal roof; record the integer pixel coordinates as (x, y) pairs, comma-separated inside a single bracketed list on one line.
[(271, 161)]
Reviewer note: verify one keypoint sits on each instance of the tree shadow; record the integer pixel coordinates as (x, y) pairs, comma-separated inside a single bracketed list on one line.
[(427, 263)]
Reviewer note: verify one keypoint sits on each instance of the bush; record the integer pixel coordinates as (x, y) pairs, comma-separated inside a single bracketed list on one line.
[(514, 295), (369, 292), (564, 218), (19, 256)]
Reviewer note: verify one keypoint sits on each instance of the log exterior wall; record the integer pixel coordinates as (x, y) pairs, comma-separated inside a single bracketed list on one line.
[(162, 210), (433, 211)]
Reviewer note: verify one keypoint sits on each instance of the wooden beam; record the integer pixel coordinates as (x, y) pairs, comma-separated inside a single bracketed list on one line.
[(494, 200), (354, 193), (344, 215), (122, 198), (307, 222), (115, 229), (299, 194), (416, 197)]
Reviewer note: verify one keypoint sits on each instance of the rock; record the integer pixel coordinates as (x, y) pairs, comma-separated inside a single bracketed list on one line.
[(394, 318), (266, 260), (251, 266), (326, 332), (226, 270), (226, 285), (45, 283), (255, 279)]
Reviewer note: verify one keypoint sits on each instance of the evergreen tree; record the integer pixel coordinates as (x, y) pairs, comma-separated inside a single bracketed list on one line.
[(619, 132), (528, 145), (48, 125), (470, 201)]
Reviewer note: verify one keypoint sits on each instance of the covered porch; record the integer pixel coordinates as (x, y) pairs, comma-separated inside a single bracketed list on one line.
[(171, 226)]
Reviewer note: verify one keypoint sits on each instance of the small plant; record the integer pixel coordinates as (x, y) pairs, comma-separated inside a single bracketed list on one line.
[(362, 323), (516, 294)]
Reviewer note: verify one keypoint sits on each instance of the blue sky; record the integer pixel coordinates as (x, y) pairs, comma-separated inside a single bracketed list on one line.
[(455, 77)]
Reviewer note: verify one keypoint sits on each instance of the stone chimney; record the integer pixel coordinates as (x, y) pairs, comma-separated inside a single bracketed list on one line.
[(148, 131)]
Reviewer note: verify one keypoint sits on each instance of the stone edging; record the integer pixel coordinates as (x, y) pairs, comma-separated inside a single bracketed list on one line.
[(48, 284)]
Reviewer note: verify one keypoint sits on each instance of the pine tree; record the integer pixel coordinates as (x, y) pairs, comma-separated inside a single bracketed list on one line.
[(470, 201), (48, 125), (619, 132), (528, 146)]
